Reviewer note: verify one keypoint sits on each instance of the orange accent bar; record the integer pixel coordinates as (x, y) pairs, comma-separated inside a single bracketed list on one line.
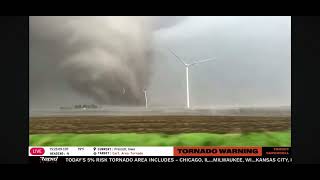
[(217, 151)]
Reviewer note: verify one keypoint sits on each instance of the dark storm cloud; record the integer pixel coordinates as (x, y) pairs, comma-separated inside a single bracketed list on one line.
[(78, 60), (99, 57)]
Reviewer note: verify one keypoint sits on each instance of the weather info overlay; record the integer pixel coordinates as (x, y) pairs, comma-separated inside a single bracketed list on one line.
[(159, 89)]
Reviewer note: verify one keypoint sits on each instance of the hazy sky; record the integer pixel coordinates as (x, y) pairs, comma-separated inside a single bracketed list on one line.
[(252, 66)]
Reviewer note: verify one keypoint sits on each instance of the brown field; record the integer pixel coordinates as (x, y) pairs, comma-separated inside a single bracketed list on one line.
[(157, 124)]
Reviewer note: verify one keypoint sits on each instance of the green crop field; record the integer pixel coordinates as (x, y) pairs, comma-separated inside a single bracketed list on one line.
[(282, 138)]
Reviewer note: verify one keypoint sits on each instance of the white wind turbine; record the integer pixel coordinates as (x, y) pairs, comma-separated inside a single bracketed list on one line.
[(187, 72), (145, 97)]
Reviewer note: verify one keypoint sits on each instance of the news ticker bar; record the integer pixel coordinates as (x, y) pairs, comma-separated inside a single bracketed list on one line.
[(217, 151), (155, 159)]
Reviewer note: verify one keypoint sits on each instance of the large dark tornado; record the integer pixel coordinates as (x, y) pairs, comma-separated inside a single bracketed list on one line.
[(105, 58)]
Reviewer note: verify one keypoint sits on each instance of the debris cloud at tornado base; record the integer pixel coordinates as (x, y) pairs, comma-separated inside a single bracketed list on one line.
[(107, 59)]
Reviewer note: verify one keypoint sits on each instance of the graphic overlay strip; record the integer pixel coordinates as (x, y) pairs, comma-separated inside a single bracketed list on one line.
[(178, 154)]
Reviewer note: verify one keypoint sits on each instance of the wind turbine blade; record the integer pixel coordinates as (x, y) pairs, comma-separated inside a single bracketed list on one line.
[(201, 61), (177, 57)]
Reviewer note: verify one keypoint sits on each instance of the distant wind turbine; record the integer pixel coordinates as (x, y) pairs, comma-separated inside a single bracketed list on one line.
[(187, 72), (145, 97)]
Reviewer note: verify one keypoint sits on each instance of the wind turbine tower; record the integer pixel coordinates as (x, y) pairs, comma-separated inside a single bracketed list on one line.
[(146, 98), (186, 65)]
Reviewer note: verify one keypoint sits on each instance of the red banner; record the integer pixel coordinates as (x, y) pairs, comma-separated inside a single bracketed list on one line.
[(217, 151)]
